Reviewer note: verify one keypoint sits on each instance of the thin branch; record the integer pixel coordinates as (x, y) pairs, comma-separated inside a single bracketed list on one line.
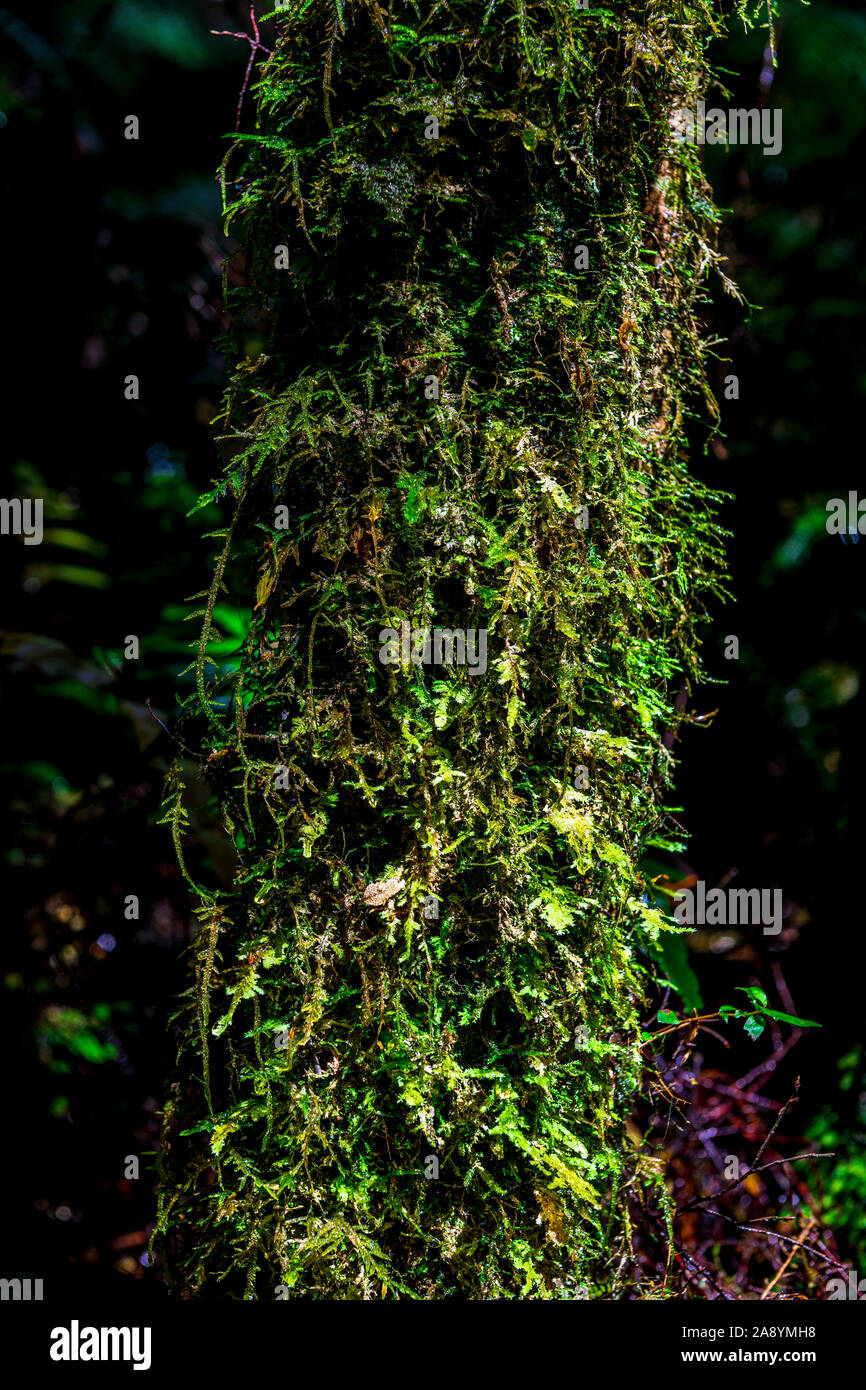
[(716, 1196), (778, 1120), (255, 47), (788, 1240)]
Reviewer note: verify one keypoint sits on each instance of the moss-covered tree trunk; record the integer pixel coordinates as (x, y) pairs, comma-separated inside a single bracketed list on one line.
[(463, 366)]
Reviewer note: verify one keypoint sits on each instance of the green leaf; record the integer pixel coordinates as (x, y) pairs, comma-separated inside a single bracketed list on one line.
[(756, 995), (673, 953), (792, 1019)]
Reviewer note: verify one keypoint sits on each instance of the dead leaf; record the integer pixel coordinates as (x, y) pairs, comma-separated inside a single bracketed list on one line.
[(378, 894)]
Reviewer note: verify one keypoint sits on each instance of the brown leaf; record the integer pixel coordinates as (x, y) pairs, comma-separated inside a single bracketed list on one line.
[(378, 894)]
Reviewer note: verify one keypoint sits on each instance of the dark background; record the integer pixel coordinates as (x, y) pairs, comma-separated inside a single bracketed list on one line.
[(112, 258)]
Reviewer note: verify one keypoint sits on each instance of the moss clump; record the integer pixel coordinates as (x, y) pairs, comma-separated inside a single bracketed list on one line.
[(462, 404)]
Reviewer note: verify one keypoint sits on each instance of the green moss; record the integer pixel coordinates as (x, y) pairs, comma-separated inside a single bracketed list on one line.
[(333, 1042)]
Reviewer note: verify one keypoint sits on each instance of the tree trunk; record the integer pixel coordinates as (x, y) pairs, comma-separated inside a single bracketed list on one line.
[(463, 362)]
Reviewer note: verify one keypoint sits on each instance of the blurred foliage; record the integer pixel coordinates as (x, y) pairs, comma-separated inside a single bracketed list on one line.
[(773, 789), (843, 1191), (135, 262)]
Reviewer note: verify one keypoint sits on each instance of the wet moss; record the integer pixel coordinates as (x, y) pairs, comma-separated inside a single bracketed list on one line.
[(444, 412)]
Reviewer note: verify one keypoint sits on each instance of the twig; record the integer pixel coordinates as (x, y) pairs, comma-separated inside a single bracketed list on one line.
[(255, 47), (778, 1120), (789, 1240), (779, 1272), (178, 741), (715, 1196)]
